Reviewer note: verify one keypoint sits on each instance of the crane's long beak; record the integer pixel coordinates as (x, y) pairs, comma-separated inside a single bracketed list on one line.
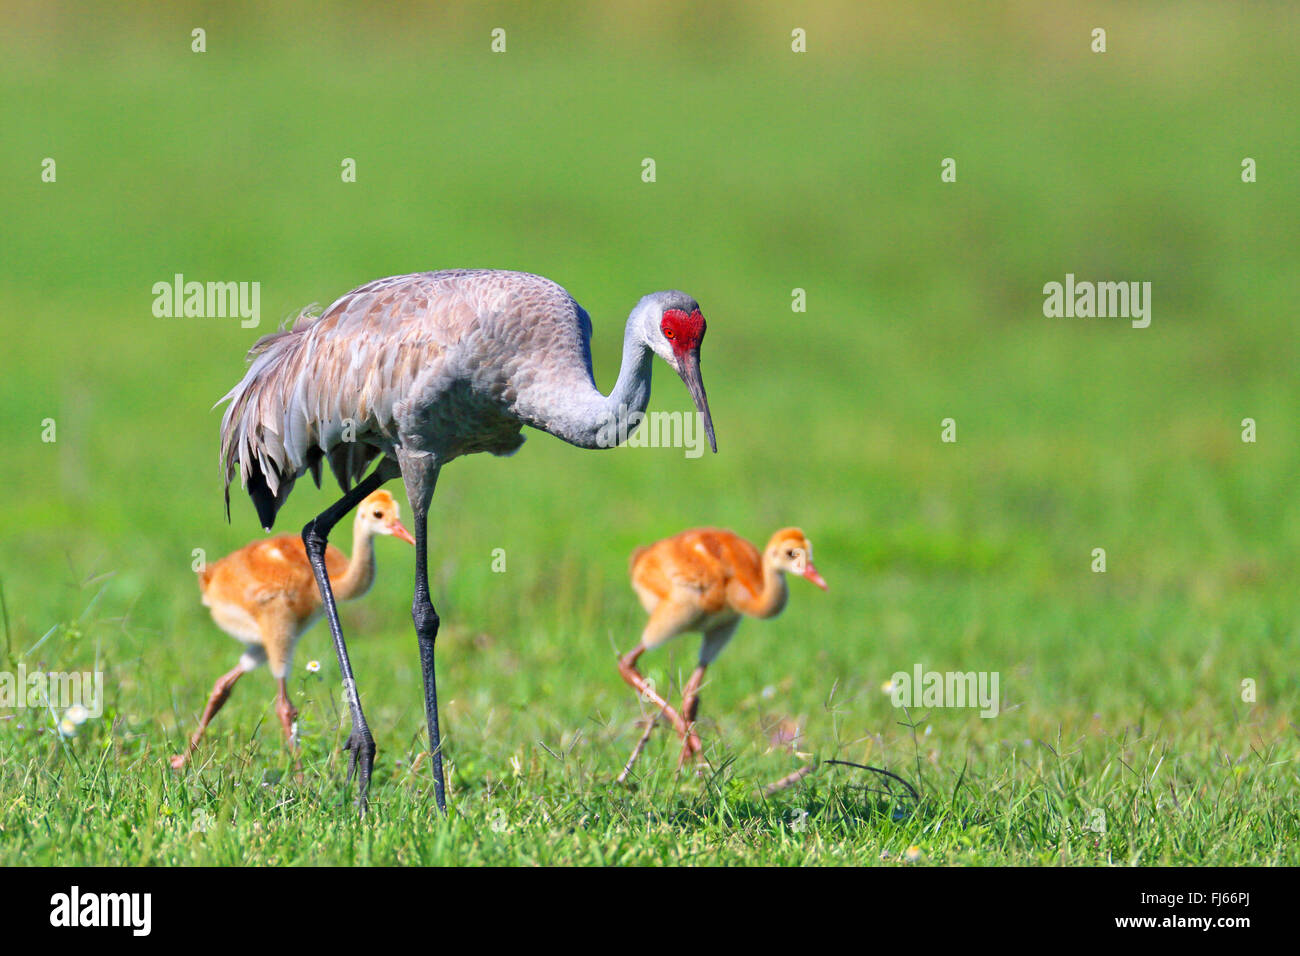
[(811, 574), (690, 373)]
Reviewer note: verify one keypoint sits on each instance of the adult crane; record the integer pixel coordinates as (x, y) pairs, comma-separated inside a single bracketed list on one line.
[(417, 370)]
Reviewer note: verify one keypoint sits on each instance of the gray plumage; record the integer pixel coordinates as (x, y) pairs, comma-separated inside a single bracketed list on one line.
[(437, 364)]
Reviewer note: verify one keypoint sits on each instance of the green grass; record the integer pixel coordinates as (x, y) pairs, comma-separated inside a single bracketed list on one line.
[(1121, 691)]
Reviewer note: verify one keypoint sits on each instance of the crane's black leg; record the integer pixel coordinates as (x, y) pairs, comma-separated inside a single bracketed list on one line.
[(426, 632), (420, 474), (361, 745)]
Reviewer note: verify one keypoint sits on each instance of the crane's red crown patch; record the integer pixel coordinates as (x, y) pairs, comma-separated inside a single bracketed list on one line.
[(685, 332)]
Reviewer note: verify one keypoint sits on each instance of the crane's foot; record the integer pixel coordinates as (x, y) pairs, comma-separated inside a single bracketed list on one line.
[(182, 760), (361, 761), (692, 754), (288, 715), (692, 750)]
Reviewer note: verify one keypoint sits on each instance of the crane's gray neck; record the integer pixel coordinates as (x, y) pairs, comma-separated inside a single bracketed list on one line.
[(631, 393), (606, 421), (621, 411)]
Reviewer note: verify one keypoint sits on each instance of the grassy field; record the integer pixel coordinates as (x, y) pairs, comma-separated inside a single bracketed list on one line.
[(1121, 691)]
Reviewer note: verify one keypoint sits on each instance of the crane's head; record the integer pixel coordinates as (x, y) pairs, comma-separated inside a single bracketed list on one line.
[(789, 550), (673, 327), (379, 514)]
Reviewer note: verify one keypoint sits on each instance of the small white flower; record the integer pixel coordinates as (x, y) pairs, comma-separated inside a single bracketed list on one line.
[(313, 667), (887, 687), (769, 692), (67, 728), (913, 853), (77, 714)]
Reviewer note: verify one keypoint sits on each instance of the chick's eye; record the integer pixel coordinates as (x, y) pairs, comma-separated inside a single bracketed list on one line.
[(379, 514)]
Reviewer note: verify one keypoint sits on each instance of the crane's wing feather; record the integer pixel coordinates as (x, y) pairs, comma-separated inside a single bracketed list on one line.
[(347, 384)]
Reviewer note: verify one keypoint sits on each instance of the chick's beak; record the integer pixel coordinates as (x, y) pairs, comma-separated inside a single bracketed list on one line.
[(811, 574), (690, 373), (397, 530)]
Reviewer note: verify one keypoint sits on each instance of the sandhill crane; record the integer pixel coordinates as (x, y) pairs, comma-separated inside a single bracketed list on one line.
[(417, 370), (704, 580), (265, 595)]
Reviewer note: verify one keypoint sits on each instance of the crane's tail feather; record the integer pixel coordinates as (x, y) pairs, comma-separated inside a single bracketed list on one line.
[(264, 499), (265, 438)]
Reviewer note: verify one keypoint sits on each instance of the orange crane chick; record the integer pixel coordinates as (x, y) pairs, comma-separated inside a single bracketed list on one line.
[(705, 580), (265, 596)]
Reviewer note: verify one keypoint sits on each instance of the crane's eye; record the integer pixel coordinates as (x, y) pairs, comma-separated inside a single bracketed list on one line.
[(379, 514), (669, 334)]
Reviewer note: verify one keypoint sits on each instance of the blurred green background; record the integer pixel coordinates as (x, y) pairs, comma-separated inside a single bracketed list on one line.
[(775, 171)]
